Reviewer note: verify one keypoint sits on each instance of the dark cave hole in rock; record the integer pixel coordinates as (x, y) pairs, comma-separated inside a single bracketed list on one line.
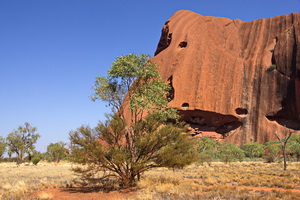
[(171, 92), (210, 121), (289, 123), (183, 44), (185, 105), (241, 111)]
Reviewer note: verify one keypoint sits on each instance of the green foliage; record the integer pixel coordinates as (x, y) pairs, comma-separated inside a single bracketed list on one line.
[(253, 149), (208, 149), (125, 155), (3, 145), (136, 78), (56, 152), (294, 145), (272, 151), (231, 152), (271, 67), (22, 140), (35, 160), (125, 148)]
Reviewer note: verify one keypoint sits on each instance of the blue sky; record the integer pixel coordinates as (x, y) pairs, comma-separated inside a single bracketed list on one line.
[(52, 50)]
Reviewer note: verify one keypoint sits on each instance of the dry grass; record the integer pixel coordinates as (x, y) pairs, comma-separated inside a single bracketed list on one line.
[(16, 181), (220, 181)]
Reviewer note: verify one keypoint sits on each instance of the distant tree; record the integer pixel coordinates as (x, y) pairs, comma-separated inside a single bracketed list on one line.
[(56, 151), (253, 149), (283, 143), (231, 152), (22, 140), (271, 151), (123, 148), (3, 145), (34, 154), (294, 145), (208, 149)]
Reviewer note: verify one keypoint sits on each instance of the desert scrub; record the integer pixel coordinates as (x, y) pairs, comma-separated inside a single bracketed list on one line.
[(17, 181), (221, 181)]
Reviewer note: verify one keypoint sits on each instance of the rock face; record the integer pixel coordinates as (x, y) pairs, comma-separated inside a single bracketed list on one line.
[(239, 79)]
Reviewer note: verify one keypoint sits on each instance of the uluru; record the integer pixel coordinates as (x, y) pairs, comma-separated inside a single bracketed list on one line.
[(231, 78)]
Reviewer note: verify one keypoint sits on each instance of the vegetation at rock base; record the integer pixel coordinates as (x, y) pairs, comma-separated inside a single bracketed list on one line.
[(294, 145), (22, 140), (253, 149), (231, 152), (208, 150), (125, 147)]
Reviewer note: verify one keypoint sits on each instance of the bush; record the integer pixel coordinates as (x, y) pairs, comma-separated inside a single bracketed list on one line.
[(271, 151), (231, 152), (253, 149), (294, 146), (207, 149), (35, 160)]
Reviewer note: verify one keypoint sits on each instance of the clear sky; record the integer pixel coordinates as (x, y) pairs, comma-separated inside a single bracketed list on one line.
[(52, 50)]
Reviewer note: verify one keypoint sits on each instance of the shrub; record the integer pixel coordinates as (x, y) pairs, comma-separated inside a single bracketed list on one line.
[(35, 160), (294, 145), (271, 151), (253, 149), (231, 152), (207, 149)]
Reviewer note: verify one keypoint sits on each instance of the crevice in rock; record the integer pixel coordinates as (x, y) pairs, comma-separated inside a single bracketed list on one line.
[(241, 111), (183, 44), (210, 121), (171, 92), (165, 39)]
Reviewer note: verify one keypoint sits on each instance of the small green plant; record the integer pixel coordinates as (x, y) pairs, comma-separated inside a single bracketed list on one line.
[(35, 160), (271, 67), (271, 50)]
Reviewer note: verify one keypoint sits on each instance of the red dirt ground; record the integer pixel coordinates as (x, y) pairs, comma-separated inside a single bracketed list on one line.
[(86, 194)]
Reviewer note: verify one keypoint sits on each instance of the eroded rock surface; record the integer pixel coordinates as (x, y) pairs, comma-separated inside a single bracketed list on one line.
[(239, 79)]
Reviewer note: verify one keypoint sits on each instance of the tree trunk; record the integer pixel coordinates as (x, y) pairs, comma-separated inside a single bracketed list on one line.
[(284, 157)]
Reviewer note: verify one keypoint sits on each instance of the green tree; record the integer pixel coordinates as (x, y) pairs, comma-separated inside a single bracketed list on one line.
[(208, 149), (22, 140), (3, 145), (253, 149), (294, 145), (56, 151), (131, 142), (231, 152)]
